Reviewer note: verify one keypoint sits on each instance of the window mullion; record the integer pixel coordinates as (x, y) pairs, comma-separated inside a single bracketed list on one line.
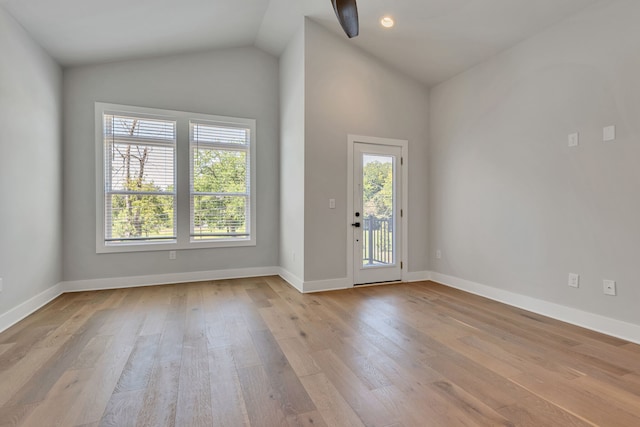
[(182, 182)]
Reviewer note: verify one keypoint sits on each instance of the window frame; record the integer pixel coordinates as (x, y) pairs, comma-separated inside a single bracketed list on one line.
[(182, 175)]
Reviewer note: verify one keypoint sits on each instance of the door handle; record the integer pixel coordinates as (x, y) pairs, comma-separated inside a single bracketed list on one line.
[(356, 224)]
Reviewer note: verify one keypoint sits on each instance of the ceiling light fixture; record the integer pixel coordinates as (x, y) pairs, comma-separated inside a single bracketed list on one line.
[(387, 22)]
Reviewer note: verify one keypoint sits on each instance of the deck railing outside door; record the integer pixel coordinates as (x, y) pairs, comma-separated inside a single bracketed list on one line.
[(378, 241)]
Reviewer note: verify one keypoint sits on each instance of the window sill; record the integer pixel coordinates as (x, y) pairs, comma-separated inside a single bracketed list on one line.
[(171, 246)]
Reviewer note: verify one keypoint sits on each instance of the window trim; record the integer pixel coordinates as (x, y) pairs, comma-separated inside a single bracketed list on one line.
[(182, 178)]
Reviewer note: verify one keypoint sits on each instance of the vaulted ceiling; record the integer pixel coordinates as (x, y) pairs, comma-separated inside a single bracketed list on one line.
[(432, 41)]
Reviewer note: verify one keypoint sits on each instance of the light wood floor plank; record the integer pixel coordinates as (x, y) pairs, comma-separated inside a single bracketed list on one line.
[(369, 409), (331, 405), (11, 416), (123, 409), (262, 407), (310, 419), (194, 390), (227, 402), (62, 395), (161, 396), (283, 380), (14, 378), (95, 397), (297, 353)]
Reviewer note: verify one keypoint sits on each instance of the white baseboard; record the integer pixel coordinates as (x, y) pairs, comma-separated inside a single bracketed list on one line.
[(164, 279), (21, 311), (417, 276), (595, 322), (326, 285), (291, 278), (341, 283), (314, 286)]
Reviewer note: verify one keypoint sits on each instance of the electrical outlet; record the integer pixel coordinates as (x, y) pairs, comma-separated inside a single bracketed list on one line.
[(609, 133), (609, 287), (574, 280), (574, 139), (438, 254), (172, 254)]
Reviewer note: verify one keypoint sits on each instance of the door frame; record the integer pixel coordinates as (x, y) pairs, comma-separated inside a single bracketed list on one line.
[(404, 176)]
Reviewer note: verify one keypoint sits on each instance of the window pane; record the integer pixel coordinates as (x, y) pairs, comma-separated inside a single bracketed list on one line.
[(378, 204), (139, 158), (219, 182), (142, 167), (140, 217), (219, 217), (219, 171)]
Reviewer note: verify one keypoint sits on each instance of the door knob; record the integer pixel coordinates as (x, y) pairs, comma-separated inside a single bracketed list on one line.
[(356, 224)]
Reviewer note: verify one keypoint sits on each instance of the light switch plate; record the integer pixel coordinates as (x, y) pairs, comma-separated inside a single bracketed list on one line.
[(574, 139), (332, 203), (609, 133)]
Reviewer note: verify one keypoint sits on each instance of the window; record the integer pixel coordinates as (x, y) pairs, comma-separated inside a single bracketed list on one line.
[(219, 181), (139, 195), (148, 158)]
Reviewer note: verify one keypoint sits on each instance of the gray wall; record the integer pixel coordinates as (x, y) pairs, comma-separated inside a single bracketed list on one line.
[(235, 82), (515, 208), (349, 92), (292, 110), (30, 167)]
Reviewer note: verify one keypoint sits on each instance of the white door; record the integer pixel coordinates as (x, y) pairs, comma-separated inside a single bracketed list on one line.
[(376, 225)]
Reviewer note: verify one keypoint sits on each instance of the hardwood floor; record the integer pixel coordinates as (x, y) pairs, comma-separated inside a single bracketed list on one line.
[(255, 352)]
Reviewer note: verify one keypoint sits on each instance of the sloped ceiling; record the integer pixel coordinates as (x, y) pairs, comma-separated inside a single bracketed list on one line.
[(432, 41)]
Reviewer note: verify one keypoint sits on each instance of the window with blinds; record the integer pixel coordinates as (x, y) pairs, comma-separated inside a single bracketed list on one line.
[(139, 178), (168, 180), (220, 181)]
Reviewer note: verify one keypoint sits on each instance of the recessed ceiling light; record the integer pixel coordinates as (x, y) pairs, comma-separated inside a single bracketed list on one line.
[(387, 21)]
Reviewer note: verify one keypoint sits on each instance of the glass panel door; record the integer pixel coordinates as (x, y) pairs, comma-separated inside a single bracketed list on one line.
[(376, 213)]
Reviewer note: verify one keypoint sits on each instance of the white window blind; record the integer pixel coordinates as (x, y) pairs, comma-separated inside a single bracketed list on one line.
[(220, 181), (140, 179)]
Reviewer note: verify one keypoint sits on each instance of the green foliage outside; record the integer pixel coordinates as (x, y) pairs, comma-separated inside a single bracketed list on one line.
[(214, 171), (378, 190), (378, 209), (220, 171), (142, 216), (135, 216)]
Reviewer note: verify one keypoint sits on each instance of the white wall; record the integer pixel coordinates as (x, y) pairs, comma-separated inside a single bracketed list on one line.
[(30, 167), (349, 92), (239, 82), (511, 205), (292, 107)]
